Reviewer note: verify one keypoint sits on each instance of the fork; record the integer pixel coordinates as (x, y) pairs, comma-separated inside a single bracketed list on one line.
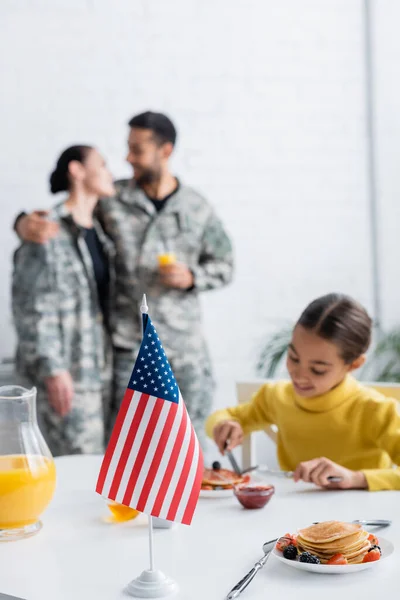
[(369, 522), (286, 474)]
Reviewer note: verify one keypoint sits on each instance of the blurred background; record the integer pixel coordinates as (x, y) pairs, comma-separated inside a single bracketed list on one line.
[(289, 123)]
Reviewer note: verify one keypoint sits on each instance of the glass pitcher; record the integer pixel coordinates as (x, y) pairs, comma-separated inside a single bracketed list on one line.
[(27, 470)]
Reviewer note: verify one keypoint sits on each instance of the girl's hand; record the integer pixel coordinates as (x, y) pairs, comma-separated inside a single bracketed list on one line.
[(319, 469), (227, 435)]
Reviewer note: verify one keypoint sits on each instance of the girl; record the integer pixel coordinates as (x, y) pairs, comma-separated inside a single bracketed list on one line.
[(328, 423), (61, 293)]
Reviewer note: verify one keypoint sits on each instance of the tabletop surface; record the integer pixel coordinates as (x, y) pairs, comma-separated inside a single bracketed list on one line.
[(78, 555)]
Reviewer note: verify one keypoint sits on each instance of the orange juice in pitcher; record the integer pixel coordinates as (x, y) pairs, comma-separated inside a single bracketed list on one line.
[(27, 469), (27, 485)]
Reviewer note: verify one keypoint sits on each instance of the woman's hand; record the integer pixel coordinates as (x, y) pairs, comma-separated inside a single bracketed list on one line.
[(227, 435), (319, 469), (60, 390)]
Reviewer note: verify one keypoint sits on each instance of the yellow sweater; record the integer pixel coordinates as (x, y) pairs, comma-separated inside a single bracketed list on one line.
[(352, 425)]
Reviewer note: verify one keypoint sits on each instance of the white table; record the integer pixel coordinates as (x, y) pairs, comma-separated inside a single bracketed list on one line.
[(78, 556)]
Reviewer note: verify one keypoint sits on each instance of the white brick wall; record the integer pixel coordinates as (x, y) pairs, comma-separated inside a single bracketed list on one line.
[(269, 100)]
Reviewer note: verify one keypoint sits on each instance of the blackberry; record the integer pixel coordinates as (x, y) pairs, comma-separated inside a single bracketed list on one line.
[(375, 547), (290, 552), (216, 465), (306, 557)]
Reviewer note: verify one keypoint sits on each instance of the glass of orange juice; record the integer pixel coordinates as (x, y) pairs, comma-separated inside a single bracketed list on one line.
[(27, 470), (166, 258)]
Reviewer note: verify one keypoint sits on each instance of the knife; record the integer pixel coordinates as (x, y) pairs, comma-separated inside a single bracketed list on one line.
[(233, 462), (243, 583)]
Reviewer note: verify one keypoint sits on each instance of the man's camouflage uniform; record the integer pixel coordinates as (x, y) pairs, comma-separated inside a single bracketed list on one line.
[(60, 328), (188, 226)]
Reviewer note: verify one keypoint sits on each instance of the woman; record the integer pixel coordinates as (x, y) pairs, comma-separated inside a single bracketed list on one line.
[(61, 293)]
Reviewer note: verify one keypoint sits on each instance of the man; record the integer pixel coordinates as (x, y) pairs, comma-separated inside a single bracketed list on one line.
[(151, 214)]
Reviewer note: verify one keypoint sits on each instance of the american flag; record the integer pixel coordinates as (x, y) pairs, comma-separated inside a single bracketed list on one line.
[(153, 462)]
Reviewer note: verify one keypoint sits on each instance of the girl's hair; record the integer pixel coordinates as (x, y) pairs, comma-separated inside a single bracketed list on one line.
[(341, 320), (59, 179)]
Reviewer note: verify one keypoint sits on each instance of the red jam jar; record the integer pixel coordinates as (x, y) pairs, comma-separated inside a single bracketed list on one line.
[(254, 495)]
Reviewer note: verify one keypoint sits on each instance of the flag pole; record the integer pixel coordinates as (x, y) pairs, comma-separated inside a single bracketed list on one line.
[(151, 583), (144, 309)]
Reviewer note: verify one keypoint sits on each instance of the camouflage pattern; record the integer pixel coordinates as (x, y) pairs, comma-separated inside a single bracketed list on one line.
[(82, 431), (60, 328), (188, 226)]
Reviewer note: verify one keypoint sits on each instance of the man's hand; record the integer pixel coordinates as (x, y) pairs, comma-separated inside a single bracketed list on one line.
[(177, 276), (227, 435), (60, 390), (36, 228), (319, 469)]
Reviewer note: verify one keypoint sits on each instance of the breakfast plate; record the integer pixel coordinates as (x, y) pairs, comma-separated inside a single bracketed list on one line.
[(219, 483), (386, 548), (215, 493), (332, 547)]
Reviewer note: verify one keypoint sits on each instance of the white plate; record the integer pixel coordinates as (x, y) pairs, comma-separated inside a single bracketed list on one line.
[(385, 545), (216, 493)]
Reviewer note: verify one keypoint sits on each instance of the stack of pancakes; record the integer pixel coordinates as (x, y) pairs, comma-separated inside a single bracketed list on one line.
[(334, 537), (221, 478)]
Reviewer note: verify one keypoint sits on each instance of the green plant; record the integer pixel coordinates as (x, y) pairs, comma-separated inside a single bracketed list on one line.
[(383, 362), (272, 354)]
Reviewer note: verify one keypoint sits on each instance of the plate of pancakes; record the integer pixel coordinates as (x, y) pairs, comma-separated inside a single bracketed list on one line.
[(219, 483), (333, 547)]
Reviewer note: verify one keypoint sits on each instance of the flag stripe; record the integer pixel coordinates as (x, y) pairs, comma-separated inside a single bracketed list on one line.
[(141, 455), (194, 494), (183, 475), (164, 460), (119, 422), (170, 468), (120, 443), (183, 500), (173, 482), (130, 438), (150, 452), (156, 462), (148, 403)]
